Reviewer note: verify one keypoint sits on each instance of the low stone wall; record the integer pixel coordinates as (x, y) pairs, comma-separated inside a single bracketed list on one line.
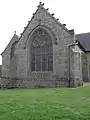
[(38, 83), (5, 82), (33, 83), (78, 82)]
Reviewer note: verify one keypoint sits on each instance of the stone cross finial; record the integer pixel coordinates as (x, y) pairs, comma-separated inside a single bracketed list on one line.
[(15, 32), (40, 3)]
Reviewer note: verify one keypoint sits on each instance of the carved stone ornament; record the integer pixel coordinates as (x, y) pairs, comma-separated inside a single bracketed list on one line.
[(40, 38)]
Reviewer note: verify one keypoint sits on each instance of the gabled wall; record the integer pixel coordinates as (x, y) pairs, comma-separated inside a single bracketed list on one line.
[(17, 72), (6, 57), (62, 38), (6, 61)]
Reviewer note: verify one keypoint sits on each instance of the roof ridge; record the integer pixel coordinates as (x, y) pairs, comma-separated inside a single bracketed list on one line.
[(83, 33)]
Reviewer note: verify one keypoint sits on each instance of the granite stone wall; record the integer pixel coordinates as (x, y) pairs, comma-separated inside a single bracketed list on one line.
[(6, 58), (21, 75), (60, 38), (88, 65), (84, 68)]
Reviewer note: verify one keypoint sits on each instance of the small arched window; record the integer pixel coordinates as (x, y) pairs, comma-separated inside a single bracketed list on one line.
[(13, 49), (41, 51)]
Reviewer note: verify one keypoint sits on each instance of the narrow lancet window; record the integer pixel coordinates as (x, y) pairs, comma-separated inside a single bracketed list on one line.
[(13, 49)]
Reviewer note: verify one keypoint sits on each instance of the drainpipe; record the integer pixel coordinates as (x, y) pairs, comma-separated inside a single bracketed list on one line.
[(69, 60)]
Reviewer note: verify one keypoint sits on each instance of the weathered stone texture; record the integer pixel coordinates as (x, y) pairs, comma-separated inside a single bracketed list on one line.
[(88, 65), (18, 70), (6, 58), (84, 68), (59, 49)]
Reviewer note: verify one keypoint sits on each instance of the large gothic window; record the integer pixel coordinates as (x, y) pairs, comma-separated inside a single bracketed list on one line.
[(41, 51)]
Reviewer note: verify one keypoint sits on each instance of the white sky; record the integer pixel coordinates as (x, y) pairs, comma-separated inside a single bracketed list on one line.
[(15, 14)]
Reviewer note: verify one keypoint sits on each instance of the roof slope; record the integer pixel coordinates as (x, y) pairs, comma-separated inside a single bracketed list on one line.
[(41, 6), (13, 39), (84, 40)]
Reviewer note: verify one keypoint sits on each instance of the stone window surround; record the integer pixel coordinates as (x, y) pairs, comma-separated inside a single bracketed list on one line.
[(41, 51), (28, 46), (12, 53)]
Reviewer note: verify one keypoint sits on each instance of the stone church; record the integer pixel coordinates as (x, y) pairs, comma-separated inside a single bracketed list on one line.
[(46, 54)]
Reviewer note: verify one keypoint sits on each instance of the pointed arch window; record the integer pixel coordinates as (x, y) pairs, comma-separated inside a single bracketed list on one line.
[(41, 51), (13, 49)]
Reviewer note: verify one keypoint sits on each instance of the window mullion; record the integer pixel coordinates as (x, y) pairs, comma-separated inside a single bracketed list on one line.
[(35, 59), (47, 62), (43, 58), (41, 61)]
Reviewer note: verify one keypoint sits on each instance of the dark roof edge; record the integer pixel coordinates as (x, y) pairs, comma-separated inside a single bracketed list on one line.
[(81, 46), (82, 33)]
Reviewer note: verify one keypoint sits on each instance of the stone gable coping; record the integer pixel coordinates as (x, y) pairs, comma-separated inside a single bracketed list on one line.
[(51, 15), (14, 36)]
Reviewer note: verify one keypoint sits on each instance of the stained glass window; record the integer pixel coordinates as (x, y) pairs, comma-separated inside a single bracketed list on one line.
[(41, 52)]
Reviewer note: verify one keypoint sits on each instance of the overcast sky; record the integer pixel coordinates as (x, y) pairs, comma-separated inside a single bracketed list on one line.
[(15, 14)]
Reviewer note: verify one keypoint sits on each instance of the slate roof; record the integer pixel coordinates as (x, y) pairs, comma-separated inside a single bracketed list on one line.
[(84, 40)]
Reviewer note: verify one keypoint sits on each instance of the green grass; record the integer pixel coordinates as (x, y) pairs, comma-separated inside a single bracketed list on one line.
[(45, 104)]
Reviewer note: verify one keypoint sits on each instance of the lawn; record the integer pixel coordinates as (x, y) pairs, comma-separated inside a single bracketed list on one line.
[(45, 104)]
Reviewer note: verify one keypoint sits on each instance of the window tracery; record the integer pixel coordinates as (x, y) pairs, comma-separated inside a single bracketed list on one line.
[(41, 52)]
